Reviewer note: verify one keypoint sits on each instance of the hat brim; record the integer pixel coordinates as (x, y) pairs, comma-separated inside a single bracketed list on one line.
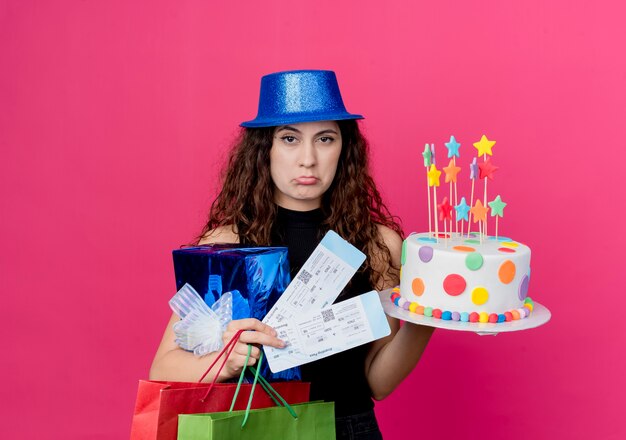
[(298, 118)]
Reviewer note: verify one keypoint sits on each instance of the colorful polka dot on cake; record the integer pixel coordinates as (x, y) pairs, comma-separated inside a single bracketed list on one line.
[(499, 238), (418, 286), (403, 256), (464, 248), (425, 253), (506, 272), (427, 239), (454, 284), (474, 261), (480, 295), (509, 244), (522, 292)]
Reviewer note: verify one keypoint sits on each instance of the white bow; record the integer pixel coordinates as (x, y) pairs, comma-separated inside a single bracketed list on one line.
[(200, 328)]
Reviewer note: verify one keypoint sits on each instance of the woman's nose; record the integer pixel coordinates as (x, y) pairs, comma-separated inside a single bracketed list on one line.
[(308, 155)]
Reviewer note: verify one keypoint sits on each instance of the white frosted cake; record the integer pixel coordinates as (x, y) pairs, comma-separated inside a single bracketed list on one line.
[(463, 278)]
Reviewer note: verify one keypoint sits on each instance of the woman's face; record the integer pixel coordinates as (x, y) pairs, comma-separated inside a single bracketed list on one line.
[(303, 162)]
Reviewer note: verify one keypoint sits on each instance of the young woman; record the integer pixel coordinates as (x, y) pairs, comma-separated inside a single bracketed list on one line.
[(299, 169)]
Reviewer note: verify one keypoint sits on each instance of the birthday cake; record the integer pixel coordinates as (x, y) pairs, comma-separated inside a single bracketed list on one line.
[(451, 273)]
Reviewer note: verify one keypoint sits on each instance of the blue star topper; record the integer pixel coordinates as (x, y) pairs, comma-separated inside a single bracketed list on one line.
[(453, 147), (461, 210)]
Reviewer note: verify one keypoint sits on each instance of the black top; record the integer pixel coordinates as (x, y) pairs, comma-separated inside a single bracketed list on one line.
[(339, 378)]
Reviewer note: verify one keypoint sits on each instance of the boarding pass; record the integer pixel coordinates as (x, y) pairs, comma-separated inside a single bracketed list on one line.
[(318, 334), (320, 280)]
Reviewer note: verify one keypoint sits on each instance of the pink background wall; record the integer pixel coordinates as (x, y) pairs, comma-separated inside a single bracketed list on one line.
[(114, 121)]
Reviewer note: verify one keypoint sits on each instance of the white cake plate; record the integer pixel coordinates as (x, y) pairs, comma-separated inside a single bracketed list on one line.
[(539, 316)]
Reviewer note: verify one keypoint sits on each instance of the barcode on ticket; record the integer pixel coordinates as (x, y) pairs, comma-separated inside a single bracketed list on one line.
[(304, 276), (328, 315)]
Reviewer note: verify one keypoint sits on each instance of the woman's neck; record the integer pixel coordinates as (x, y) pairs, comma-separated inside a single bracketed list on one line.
[(299, 205)]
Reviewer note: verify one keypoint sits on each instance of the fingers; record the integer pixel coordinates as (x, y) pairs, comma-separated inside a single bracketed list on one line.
[(237, 359), (263, 334), (242, 349), (250, 324), (261, 338)]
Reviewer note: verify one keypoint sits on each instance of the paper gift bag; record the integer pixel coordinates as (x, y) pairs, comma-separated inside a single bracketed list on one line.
[(315, 421), (159, 403), (256, 277)]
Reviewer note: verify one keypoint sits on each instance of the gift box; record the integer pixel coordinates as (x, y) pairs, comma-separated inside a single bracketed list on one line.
[(256, 276)]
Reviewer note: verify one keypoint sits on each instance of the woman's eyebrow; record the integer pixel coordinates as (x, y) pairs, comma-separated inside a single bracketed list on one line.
[(288, 127), (329, 130)]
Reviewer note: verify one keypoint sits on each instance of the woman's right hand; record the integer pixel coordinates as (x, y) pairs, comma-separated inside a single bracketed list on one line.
[(255, 333)]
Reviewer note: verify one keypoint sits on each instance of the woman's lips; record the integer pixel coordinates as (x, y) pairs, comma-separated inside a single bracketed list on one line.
[(306, 180)]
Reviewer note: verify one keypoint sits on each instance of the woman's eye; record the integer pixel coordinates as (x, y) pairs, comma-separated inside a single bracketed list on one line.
[(289, 139), (326, 139)]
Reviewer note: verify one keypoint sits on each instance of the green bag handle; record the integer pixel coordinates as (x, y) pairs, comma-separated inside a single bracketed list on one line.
[(266, 386)]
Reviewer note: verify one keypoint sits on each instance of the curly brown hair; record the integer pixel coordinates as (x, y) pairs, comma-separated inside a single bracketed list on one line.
[(352, 205)]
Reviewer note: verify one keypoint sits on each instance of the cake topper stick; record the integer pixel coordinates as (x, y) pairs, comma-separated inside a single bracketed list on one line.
[(496, 228), (450, 185), (456, 201), (484, 146), (473, 177), (451, 172), (435, 213), (427, 162), (485, 196), (461, 211), (433, 180), (497, 210), (486, 172), (479, 212), (445, 213), (445, 232), (453, 152), (433, 162)]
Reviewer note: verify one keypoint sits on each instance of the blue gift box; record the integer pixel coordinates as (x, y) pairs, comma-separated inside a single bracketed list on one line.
[(257, 276)]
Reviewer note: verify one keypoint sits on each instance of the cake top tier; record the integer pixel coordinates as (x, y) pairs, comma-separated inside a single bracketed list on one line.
[(472, 243)]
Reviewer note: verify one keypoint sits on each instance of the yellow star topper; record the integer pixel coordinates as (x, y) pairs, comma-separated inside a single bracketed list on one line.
[(433, 176), (484, 146)]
